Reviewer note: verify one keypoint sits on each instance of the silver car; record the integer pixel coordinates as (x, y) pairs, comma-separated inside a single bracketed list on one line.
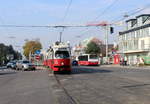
[(25, 65)]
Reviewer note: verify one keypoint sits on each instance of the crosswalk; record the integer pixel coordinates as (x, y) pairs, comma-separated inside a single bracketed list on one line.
[(7, 69), (11, 70)]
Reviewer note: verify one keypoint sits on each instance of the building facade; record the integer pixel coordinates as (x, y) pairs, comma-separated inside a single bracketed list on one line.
[(134, 42), (80, 48)]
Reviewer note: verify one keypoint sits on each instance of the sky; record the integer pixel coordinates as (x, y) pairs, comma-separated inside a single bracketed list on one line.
[(52, 12)]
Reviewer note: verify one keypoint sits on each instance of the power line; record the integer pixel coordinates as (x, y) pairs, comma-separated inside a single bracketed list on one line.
[(137, 10), (67, 10), (79, 36), (125, 15), (106, 9), (44, 26), (103, 12)]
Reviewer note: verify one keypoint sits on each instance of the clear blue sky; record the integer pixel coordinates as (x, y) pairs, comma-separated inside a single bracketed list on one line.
[(51, 12)]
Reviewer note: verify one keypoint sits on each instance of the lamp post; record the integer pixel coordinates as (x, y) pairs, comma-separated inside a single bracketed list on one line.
[(30, 53)]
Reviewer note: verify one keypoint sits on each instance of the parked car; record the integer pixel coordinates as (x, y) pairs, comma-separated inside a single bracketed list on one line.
[(25, 65), (11, 64)]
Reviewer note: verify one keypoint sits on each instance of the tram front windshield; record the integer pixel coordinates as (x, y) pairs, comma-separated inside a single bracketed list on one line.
[(62, 54)]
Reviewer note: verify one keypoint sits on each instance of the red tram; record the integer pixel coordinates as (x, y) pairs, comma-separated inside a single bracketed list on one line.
[(58, 57), (88, 59)]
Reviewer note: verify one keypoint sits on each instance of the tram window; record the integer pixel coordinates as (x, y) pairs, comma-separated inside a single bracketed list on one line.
[(62, 54), (93, 57), (83, 58)]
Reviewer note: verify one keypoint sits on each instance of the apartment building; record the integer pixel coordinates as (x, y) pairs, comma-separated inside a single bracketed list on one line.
[(134, 42)]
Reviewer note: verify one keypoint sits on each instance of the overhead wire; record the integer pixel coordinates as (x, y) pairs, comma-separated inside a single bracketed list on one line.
[(43, 26), (67, 10), (127, 15), (106, 9), (103, 12), (3, 23)]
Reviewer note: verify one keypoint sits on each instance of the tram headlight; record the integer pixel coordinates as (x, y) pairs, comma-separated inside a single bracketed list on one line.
[(62, 63)]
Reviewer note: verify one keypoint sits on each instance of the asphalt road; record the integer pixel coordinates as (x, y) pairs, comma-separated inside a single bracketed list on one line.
[(86, 85), (29, 87)]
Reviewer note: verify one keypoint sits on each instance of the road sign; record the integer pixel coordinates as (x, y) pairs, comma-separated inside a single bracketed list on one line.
[(37, 52), (37, 57)]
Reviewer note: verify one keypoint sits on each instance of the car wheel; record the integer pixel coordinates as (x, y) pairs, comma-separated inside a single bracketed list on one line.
[(33, 69)]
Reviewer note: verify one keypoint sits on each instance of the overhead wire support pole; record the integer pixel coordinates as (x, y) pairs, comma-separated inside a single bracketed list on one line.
[(60, 36), (106, 28), (61, 32)]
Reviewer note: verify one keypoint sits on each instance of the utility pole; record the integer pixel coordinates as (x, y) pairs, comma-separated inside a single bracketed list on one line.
[(106, 28)]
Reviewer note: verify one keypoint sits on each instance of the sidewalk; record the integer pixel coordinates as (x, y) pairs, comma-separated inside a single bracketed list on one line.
[(119, 66), (41, 68)]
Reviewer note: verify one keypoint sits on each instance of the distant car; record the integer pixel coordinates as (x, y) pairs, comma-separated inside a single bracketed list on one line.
[(11, 64), (74, 63), (25, 65)]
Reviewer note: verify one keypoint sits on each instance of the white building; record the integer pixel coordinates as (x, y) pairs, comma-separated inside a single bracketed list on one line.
[(80, 48), (134, 42)]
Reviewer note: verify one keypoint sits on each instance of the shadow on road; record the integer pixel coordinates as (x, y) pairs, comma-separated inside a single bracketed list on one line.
[(136, 85), (7, 73), (85, 70)]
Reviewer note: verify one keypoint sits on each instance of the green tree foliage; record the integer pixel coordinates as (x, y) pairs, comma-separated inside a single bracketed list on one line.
[(31, 47), (6, 51), (92, 48)]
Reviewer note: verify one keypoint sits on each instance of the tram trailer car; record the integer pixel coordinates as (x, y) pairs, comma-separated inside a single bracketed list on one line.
[(88, 59), (58, 57)]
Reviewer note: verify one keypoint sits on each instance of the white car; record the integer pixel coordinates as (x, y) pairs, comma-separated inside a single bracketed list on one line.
[(25, 65)]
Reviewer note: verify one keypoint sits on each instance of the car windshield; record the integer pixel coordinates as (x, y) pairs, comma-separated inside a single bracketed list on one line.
[(62, 54), (25, 62), (11, 62)]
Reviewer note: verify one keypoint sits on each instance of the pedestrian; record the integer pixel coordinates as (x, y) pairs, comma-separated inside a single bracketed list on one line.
[(141, 61), (121, 61), (125, 61)]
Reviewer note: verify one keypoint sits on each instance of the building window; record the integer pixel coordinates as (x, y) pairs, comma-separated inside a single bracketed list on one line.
[(136, 44), (138, 33)]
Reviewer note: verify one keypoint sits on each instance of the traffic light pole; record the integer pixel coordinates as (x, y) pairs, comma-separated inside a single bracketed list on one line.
[(106, 41)]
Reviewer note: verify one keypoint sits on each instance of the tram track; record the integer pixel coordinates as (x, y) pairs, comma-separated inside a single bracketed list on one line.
[(71, 100)]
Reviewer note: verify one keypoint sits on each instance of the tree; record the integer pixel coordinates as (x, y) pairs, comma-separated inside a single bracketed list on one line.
[(92, 48), (7, 53), (30, 47)]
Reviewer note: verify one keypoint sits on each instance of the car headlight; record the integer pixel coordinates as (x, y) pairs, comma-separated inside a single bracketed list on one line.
[(25, 66)]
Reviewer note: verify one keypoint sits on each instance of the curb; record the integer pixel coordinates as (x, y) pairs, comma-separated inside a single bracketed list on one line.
[(138, 67)]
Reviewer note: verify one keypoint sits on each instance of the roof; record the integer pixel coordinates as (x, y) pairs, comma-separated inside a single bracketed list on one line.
[(142, 15), (134, 29), (131, 20)]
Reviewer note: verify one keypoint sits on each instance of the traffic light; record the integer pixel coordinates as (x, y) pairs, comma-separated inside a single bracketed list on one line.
[(111, 30)]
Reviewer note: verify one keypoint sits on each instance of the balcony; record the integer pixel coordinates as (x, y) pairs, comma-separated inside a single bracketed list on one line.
[(144, 48)]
